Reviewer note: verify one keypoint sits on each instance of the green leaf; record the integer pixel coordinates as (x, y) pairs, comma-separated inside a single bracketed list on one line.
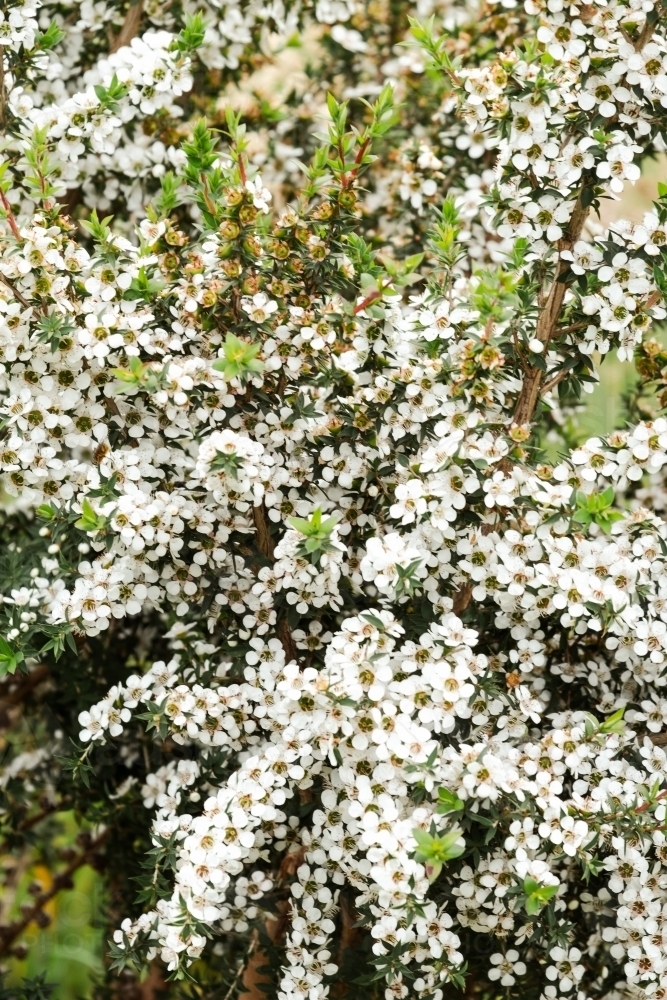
[(607, 496), (423, 839), (537, 895), (435, 850), (448, 802), (109, 96), (239, 359), (614, 723), (48, 39), (89, 520), (316, 532), (143, 287), (373, 620), (192, 35), (54, 330), (141, 376), (586, 197), (98, 230), (596, 509), (9, 658)]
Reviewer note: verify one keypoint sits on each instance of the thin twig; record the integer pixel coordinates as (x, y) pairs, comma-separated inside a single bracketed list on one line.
[(549, 315), (241, 969), (517, 351), (266, 546), (24, 302), (556, 380), (646, 35), (647, 805), (130, 27), (653, 299), (31, 821), (63, 880), (10, 215), (373, 297), (3, 99), (571, 328)]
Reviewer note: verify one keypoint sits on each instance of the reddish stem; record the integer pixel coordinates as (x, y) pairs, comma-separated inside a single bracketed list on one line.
[(10, 215), (647, 805), (369, 300)]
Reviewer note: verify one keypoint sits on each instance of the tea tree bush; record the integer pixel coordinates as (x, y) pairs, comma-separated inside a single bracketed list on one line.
[(348, 655)]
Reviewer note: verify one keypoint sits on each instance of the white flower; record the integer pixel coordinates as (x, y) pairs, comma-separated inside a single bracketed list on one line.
[(260, 307), (506, 967)]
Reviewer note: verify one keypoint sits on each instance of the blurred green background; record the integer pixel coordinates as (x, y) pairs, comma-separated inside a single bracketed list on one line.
[(69, 951), (603, 407)]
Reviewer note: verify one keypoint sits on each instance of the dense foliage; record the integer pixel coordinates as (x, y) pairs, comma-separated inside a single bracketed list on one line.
[(345, 652)]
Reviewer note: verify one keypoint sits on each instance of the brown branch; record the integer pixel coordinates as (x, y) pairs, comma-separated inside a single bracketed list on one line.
[(3, 99), (646, 35), (548, 318), (347, 180), (462, 598), (130, 27), (284, 633), (154, 985), (70, 200), (254, 976), (653, 299), (112, 405), (266, 546), (350, 941), (647, 805), (625, 34), (369, 300), (556, 380), (242, 171), (10, 932), (265, 542), (517, 351), (275, 926), (241, 971), (10, 215), (24, 302), (551, 306), (30, 821), (572, 327)]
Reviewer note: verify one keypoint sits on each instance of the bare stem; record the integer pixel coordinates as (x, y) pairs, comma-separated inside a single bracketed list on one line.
[(10, 216), (24, 302), (262, 534), (130, 26), (3, 96), (548, 318), (266, 546)]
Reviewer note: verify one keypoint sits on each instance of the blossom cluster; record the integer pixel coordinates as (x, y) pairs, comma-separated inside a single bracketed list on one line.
[(405, 663)]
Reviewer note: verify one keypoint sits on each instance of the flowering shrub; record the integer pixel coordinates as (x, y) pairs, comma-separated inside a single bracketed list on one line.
[(302, 550)]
